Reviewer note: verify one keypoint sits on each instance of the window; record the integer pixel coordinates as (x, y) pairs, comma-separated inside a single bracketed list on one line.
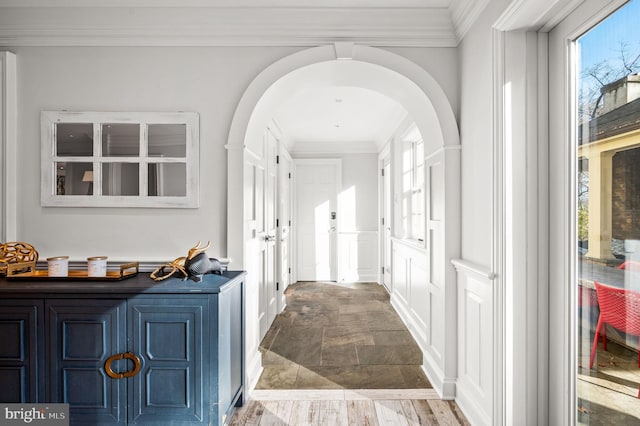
[(413, 184), (107, 159)]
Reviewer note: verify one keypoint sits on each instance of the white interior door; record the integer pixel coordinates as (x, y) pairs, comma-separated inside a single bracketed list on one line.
[(317, 183), (266, 183), (386, 224)]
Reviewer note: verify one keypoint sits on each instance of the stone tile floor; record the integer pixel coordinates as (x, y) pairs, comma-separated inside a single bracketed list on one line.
[(340, 336), (608, 393)]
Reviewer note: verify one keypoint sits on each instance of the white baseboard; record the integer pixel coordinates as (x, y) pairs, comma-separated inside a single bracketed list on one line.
[(445, 387), (472, 411), (253, 370)]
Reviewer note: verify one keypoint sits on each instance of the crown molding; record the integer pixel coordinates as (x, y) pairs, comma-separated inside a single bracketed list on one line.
[(225, 26), (534, 15), (226, 3), (464, 13)]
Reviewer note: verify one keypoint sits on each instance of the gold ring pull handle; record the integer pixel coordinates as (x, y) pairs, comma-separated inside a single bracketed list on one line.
[(127, 355)]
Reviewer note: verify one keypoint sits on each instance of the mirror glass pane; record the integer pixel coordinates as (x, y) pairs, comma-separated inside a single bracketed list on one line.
[(167, 140), (120, 179), (121, 140), (167, 179), (74, 178), (74, 139)]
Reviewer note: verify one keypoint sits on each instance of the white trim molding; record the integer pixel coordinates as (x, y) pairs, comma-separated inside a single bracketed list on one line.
[(8, 147), (475, 384), (147, 25), (466, 266)]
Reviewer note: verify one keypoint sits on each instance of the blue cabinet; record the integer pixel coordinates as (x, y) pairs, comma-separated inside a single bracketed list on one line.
[(132, 352), (21, 331), (82, 334)]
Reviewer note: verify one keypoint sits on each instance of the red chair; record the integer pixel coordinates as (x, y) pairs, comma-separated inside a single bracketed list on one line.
[(620, 308), (630, 265)]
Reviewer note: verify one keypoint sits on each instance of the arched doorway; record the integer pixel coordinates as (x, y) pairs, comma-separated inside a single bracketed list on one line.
[(419, 93)]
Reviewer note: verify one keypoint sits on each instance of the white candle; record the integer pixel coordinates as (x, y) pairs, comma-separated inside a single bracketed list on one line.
[(58, 266), (97, 266)]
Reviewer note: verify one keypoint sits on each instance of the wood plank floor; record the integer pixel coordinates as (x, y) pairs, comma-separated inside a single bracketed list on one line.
[(350, 407)]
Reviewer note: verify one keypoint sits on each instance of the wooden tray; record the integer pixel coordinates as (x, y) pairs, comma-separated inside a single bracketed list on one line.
[(127, 270)]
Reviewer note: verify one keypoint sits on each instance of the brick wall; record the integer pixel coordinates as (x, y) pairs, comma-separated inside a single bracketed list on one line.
[(626, 195)]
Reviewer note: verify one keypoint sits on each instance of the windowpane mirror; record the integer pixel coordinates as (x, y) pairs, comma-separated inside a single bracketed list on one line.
[(74, 178), (120, 179), (120, 140), (74, 140), (119, 159), (167, 179), (167, 140)]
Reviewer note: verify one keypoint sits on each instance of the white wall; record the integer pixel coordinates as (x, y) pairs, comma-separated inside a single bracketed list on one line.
[(477, 391), (209, 81), (442, 64), (476, 134)]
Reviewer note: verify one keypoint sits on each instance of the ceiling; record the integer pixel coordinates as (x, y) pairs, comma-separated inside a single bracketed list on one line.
[(337, 115), (349, 119)]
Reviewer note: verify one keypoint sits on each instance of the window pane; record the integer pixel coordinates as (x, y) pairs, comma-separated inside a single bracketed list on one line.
[(74, 139), (167, 140), (74, 178), (120, 140), (120, 179), (608, 220), (167, 179)]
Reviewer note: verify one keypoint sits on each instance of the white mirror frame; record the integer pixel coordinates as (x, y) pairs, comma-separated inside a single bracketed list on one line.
[(49, 197)]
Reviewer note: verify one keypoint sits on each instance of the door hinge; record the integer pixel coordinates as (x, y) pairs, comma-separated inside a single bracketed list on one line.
[(277, 286), (277, 159), (382, 269), (382, 219), (289, 175), (289, 270), (382, 172), (277, 223), (289, 223)]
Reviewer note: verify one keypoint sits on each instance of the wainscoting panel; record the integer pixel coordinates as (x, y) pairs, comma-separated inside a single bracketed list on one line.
[(475, 342), (358, 256)]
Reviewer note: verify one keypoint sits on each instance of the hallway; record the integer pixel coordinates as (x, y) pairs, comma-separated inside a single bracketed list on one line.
[(340, 336), (340, 355)]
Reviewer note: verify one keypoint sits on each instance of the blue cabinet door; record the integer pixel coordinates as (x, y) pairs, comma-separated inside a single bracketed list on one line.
[(82, 335), (20, 331), (167, 334)]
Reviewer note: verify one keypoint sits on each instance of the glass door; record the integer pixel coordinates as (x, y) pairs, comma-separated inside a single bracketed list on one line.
[(607, 182)]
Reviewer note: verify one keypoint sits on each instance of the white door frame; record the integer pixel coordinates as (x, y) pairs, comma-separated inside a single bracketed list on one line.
[(8, 147), (384, 159), (285, 228), (562, 241)]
